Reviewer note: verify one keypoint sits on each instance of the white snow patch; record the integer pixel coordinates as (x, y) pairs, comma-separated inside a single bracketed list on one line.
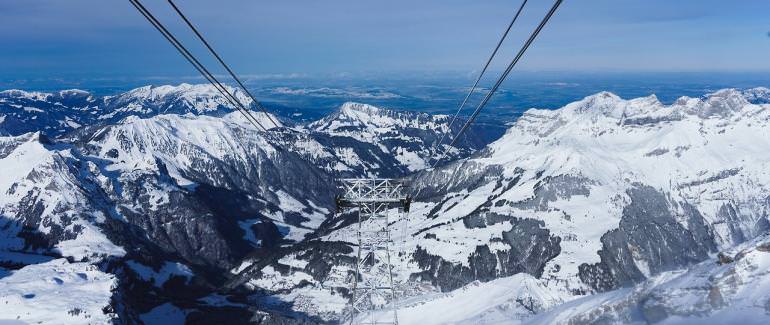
[(165, 273), (57, 292)]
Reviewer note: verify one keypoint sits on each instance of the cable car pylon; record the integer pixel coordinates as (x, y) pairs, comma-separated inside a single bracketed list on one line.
[(373, 293)]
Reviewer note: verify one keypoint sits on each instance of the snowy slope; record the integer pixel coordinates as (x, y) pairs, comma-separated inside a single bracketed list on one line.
[(502, 301), (47, 201), (57, 292), (733, 288)]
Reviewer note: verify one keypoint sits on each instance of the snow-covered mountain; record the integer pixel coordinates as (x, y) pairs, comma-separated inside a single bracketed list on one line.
[(200, 99), (222, 163), (166, 199), (50, 113), (601, 194), (157, 200), (175, 208), (55, 114), (389, 143), (48, 197)]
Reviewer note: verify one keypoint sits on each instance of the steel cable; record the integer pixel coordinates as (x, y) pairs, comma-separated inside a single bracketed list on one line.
[(481, 74), (222, 62), (198, 66), (500, 80)]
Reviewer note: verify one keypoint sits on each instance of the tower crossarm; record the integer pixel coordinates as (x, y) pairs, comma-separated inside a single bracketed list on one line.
[(371, 190)]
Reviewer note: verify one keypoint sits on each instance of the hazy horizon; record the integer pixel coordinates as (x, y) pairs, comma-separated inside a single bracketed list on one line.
[(92, 39)]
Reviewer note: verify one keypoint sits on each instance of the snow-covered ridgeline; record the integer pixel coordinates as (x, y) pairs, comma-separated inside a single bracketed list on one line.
[(198, 99), (55, 114)]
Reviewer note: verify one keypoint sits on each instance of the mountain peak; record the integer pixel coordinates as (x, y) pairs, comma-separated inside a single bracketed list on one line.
[(602, 103), (151, 92), (18, 93), (74, 95), (722, 103), (355, 108), (352, 115), (358, 112), (180, 99), (758, 95)]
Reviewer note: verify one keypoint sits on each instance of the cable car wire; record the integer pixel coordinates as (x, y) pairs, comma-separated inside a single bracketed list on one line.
[(500, 80), (198, 66), (481, 74), (222, 62)]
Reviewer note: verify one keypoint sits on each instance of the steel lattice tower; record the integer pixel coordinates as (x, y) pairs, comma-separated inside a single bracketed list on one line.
[(373, 291)]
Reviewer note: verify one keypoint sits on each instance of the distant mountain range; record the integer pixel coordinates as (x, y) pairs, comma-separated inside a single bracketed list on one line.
[(173, 208)]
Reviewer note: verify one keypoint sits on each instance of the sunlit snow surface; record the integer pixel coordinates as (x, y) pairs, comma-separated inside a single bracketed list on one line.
[(30, 167), (57, 292)]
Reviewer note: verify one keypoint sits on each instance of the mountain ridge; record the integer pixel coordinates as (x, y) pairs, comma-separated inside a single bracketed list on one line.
[(599, 195), (602, 194)]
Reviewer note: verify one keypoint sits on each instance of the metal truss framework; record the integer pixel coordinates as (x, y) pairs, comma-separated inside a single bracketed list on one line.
[(373, 291)]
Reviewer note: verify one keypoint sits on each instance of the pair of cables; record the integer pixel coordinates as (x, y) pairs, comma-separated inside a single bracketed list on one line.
[(221, 88), (499, 81)]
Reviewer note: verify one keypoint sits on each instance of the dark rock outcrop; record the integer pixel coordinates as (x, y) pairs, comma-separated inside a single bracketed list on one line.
[(531, 247), (648, 233)]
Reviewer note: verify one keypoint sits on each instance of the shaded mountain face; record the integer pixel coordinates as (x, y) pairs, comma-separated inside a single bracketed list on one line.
[(49, 113), (195, 215)]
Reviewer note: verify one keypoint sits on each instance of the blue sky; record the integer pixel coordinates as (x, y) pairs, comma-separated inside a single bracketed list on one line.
[(97, 38)]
